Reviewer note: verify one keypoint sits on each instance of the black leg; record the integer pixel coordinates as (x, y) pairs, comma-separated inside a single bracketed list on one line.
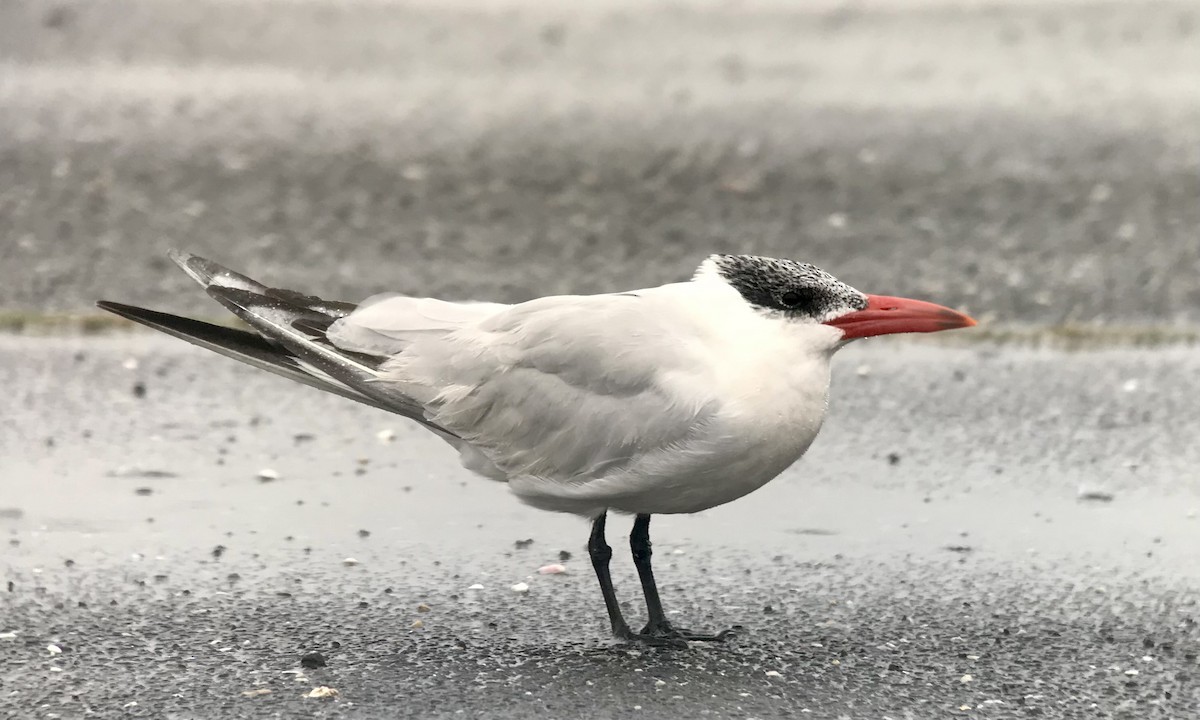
[(639, 543), (658, 626), (601, 554)]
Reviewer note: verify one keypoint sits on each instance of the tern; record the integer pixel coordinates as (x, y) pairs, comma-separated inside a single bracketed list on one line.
[(671, 399)]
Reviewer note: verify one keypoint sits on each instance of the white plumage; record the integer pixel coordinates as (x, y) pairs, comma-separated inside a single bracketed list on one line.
[(666, 400)]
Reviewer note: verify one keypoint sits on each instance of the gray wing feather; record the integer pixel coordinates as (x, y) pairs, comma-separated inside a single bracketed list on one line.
[(563, 389), (246, 347), (292, 337), (388, 324)]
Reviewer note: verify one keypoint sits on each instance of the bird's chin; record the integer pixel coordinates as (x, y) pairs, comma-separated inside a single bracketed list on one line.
[(886, 315)]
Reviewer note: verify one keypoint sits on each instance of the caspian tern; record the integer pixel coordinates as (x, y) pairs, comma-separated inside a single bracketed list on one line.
[(671, 399)]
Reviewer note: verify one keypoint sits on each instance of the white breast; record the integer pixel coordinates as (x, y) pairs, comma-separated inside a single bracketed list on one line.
[(773, 385)]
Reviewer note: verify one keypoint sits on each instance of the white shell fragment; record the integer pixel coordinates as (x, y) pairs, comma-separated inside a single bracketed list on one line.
[(552, 569), (321, 691), (521, 587)]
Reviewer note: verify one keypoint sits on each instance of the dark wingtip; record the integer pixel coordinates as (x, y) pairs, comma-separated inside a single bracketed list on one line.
[(117, 308)]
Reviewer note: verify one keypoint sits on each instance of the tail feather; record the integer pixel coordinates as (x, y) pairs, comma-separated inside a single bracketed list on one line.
[(290, 341)]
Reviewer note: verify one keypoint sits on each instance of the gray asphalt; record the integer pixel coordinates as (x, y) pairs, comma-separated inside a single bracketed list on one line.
[(930, 557), (982, 529)]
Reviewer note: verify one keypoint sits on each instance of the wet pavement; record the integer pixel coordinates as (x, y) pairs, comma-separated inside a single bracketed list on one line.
[(984, 529), (930, 557)]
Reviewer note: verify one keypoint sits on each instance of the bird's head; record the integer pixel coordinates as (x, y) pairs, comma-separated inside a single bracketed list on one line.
[(804, 293)]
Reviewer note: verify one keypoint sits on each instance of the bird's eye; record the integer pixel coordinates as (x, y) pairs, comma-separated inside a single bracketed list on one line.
[(791, 298)]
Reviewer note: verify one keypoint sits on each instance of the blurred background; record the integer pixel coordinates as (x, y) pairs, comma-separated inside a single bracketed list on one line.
[(1032, 162)]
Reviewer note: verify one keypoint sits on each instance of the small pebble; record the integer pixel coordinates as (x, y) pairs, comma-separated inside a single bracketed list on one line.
[(1094, 495), (774, 673), (386, 435), (522, 544), (476, 586), (521, 587), (267, 475), (553, 569), (422, 608), (256, 692), (322, 692), (417, 624), (54, 649), (965, 679), (349, 562), (313, 660)]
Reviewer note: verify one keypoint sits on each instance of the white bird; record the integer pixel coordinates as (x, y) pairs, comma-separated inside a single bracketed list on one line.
[(671, 399)]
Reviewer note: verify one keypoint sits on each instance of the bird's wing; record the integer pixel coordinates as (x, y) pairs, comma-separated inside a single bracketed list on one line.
[(568, 389), (291, 337), (387, 324), (250, 348)]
